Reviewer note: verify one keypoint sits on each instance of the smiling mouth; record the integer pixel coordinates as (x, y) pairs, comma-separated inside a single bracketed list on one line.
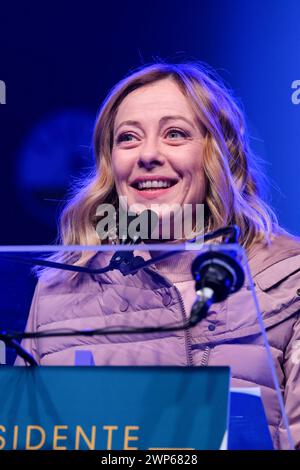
[(153, 185)]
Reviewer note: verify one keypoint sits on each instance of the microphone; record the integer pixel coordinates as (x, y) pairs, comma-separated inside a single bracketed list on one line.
[(124, 261), (217, 274)]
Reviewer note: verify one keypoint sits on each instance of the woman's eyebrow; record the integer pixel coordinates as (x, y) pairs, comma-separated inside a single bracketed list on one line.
[(176, 117), (162, 121), (128, 123)]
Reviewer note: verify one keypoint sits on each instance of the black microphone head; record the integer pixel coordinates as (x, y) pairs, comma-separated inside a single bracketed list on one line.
[(219, 271)]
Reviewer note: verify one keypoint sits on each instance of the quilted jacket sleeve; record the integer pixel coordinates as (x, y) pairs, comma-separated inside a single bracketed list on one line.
[(292, 386)]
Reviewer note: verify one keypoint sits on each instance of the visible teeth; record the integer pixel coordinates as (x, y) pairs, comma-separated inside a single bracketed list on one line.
[(154, 184)]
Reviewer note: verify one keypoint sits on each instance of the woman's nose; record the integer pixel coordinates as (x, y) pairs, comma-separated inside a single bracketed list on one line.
[(150, 156)]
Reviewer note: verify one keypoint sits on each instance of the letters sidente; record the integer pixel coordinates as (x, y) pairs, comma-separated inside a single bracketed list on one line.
[(64, 437)]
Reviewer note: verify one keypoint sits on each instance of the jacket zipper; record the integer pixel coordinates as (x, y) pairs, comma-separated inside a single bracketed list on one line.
[(204, 360), (187, 335)]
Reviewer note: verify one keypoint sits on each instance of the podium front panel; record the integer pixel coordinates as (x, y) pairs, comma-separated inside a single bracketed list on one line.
[(82, 408)]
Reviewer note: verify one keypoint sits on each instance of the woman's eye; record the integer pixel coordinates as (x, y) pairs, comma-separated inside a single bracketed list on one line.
[(175, 133), (127, 137)]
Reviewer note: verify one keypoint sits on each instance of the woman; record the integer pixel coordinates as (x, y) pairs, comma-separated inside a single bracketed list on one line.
[(177, 126)]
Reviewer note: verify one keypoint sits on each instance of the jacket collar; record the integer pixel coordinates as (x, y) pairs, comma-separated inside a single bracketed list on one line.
[(263, 255)]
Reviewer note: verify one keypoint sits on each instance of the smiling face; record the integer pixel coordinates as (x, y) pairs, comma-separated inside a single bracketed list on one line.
[(157, 154)]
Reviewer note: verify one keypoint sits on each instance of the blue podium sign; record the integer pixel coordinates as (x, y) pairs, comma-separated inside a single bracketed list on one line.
[(87, 408)]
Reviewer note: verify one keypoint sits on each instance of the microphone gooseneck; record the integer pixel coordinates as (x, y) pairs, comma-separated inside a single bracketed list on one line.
[(12, 343)]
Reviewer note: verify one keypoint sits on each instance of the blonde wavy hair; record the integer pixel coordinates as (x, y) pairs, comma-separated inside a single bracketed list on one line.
[(232, 175)]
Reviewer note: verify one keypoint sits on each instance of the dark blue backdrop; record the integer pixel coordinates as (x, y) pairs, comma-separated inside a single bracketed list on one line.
[(59, 61)]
